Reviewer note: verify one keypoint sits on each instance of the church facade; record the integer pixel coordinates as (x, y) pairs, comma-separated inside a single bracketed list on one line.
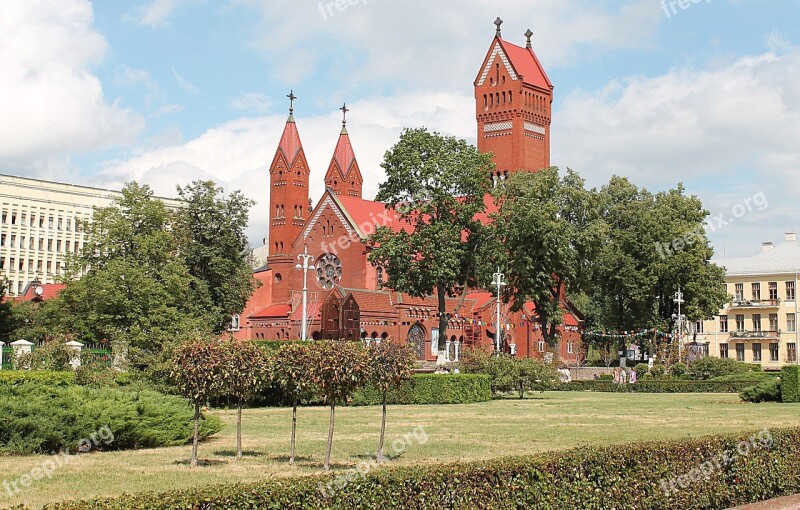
[(348, 297)]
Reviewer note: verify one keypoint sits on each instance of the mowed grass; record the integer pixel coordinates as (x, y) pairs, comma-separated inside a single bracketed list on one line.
[(541, 422)]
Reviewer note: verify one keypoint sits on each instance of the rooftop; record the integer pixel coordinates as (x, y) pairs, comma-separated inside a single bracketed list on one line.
[(781, 259)]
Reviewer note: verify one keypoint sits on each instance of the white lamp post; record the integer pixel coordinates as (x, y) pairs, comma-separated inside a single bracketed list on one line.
[(305, 267), (498, 280), (679, 301)]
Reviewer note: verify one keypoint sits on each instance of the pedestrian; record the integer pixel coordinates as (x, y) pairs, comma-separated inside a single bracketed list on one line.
[(633, 376)]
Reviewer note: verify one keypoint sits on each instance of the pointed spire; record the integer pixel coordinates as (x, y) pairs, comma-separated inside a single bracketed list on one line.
[(528, 35), (291, 97), (344, 110), (497, 23)]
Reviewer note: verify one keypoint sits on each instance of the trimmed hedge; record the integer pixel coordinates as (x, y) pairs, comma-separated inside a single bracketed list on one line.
[(431, 389), (660, 386), (588, 478), (41, 418), (46, 377), (790, 383)]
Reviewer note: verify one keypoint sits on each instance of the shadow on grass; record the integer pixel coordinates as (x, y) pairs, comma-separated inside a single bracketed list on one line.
[(202, 462), (285, 458), (245, 453)]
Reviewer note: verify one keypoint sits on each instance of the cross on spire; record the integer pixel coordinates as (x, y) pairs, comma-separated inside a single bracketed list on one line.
[(291, 97), (498, 22), (528, 34), (344, 109)]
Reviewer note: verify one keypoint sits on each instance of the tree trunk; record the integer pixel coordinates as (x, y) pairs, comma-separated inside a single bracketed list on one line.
[(196, 435), (383, 430), (294, 428), (330, 438), (440, 294), (239, 430)]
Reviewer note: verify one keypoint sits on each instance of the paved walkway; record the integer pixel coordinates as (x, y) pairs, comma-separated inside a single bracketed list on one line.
[(786, 503)]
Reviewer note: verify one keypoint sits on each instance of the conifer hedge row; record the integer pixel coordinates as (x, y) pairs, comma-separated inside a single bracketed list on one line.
[(660, 386), (685, 475)]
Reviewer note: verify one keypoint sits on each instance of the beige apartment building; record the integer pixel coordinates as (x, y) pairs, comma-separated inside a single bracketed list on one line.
[(759, 325), (38, 226)]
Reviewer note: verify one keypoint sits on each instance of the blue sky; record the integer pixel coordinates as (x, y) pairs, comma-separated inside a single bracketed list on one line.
[(167, 91)]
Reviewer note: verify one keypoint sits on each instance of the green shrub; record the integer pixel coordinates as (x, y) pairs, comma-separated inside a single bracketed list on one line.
[(711, 367), (606, 377), (790, 383), (46, 377), (272, 345), (650, 385), (99, 374), (765, 391), (41, 418), (510, 373), (756, 377), (55, 355), (641, 369), (587, 478), (677, 369), (431, 389), (658, 370)]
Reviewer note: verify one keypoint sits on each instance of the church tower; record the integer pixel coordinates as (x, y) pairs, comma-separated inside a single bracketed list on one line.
[(344, 176), (288, 203), (513, 101)]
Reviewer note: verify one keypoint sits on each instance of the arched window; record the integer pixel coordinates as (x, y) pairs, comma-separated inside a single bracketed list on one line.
[(510, 96), (485, 101), (497, 73), (379, 278), (504, 97)]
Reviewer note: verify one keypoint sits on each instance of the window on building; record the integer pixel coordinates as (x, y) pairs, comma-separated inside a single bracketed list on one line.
[(2, 239), (68, 243), (12, 262), (19, 287), (791, 352), (2, 262), (723, 350), (13, 240), (38, 266), (756, 322), (756, 288), (774, 350), (756, 352), (30, 242), (739, 352), (14, 219), (739, 322), (50, 222), (541, 346), (41, 243), (41, 221), (5, 217), (235, 323), (698, 327), (49, 245), (58, 267), (69, 224), (23, 218), (739, 291), (60, 223), (773, 291), (21, 265), (773, 322), (49, 267), (790, 291), (791, 325), (569, 348), (723, 323), (30, 265), (58, 245), (33, 220), (22, 240)]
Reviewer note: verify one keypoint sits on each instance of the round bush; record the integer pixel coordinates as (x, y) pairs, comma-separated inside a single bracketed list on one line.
[(43, 419)]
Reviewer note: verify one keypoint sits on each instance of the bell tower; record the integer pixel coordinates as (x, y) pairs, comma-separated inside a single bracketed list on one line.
[(288, 204), (344, 176), (513, 104)]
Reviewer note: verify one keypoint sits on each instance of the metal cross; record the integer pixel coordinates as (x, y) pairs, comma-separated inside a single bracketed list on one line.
[(498, 22), (528, 34), (344, 110), (291, 97)]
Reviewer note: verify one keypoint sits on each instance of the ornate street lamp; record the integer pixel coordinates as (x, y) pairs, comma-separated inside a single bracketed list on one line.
[(305, 266)]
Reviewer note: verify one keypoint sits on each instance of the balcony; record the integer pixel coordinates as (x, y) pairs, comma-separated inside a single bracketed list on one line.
[(756, 303), (756, 335)]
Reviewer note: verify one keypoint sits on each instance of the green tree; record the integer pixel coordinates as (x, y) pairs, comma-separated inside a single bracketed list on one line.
[(292, 368), (7, 320), (244, 370), (209, 231), (198, 372), (544, 236), (437, 186), (339, 368), (390, 363)]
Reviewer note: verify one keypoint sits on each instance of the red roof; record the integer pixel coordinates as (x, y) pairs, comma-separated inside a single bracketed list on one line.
[(290, 143), (343, 153), (367, 212), (373, 301), (272, 311), (313, 312), (49, 291), (526, 64)]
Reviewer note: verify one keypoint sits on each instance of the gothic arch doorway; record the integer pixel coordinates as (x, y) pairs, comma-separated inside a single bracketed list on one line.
[(416, 339)]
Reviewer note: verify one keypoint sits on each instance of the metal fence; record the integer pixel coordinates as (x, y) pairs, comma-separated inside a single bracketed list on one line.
[(88, 355), (7, 357)]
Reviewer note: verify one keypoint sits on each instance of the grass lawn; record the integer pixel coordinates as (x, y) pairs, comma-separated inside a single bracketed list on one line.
[(549, 421)]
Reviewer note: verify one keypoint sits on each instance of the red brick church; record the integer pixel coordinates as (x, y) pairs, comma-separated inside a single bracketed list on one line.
[(350, 298)]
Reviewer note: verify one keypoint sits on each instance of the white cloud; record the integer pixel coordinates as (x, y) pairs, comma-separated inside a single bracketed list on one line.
[(253, 102), (565, 33), (734, 128), (156, 13), (185, 84), (50, 101)]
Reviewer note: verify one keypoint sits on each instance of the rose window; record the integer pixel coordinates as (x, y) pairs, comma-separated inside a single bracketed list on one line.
[(329, 271)]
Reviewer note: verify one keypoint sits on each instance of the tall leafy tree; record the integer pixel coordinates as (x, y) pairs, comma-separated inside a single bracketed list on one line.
[(292, 368), (391, 364), (339, 368), (437, 186), (244, 371), (198, 372), (209, 232), (544, 236)]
